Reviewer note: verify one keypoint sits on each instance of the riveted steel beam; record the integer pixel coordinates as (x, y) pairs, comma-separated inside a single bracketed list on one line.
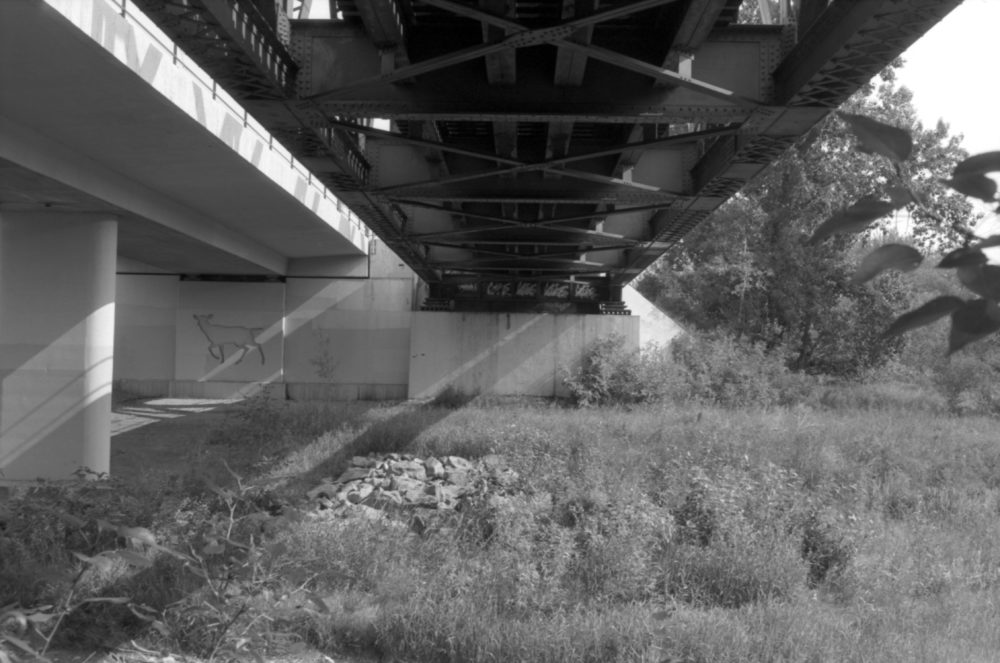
[(607, 95), (383, 23), (257, 40), (555, 164), (847, 43), (836, 25), (524, 233), (520, 36), (698, 22), (542, 35), (557, 36)]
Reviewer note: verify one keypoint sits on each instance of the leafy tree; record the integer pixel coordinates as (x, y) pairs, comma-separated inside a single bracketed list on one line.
[(768, 268)]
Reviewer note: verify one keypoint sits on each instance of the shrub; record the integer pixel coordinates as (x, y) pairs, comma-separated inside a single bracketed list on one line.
[(719, 369), (969, 384), (729, 574), (614, 375), (825, 547), (711, 368)]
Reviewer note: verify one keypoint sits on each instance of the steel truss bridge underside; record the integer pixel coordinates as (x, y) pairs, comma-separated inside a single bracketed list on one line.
[(539, 154)]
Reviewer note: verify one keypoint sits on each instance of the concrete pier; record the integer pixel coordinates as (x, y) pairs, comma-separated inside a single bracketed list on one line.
[(57, 298)]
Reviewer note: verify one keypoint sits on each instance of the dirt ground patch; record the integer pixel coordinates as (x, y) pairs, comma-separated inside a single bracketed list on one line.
[(163, 435)]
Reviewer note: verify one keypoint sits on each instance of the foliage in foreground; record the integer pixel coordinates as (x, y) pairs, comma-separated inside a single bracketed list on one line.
[(676, 534)]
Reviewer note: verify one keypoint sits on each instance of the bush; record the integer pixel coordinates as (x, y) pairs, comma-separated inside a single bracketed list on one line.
[(711, 368), (614, 375), (719, 369), (969, 384)]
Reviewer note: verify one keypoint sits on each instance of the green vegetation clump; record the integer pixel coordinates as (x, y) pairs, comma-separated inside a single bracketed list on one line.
[(708, 368), (670, 533)]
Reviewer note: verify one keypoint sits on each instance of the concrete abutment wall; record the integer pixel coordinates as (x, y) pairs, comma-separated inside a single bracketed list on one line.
[(505, 353), (336, 339), (303, 338)]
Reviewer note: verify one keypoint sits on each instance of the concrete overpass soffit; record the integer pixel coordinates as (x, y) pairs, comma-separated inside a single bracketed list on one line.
[(120, 117)]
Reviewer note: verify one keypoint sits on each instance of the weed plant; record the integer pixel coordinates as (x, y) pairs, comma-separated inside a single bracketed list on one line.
[(668, 533)]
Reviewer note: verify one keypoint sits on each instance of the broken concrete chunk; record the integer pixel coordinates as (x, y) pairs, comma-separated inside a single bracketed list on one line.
[(323, 490), (458, 463), (459, 477), (354, 474), (493, 462), (357, 495), (413, 468), (409, 488), (434, 468), (383, 499), (397, 486), (448, 493), (425, 501)]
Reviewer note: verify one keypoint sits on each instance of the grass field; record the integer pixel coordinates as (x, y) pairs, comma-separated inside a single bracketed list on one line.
[(837, 533)]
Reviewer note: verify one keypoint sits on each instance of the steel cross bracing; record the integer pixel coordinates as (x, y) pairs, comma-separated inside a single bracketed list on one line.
[(540, 153)]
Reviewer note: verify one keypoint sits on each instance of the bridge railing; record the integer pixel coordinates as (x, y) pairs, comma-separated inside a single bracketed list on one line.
[(209, 87)]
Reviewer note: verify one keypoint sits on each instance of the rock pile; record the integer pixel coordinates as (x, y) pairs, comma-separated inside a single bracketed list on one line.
[(374, 486)]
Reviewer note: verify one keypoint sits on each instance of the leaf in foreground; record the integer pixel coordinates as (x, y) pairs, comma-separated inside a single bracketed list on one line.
[(967, 256), (973, 321), (984, 280), (876, 137), (901, 196), (933, 310), (992, 240), (854, 219), (891, 256), (979, 164), (975, 185)]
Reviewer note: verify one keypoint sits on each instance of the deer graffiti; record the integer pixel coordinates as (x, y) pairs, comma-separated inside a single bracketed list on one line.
[(219, 336)]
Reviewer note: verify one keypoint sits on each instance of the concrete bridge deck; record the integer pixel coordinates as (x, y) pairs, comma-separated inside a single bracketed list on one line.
[(101, 114)]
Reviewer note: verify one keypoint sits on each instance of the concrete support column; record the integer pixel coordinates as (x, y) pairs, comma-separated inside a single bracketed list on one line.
[(57, 317)]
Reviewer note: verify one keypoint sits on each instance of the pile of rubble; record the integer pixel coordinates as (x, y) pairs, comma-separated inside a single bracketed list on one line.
[(403, 485)]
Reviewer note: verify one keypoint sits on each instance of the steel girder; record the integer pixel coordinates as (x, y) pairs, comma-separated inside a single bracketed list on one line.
[(551, 142)]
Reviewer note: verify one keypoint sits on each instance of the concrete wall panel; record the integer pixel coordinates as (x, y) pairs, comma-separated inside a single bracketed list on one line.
[(145, 327), (348, 336), (240, 342), (501, 353), (350, 333)]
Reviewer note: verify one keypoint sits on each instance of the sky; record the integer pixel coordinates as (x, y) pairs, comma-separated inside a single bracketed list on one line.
[(952, 71)]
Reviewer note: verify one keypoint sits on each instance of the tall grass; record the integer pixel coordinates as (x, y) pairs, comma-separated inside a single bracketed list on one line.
[(661, 534)]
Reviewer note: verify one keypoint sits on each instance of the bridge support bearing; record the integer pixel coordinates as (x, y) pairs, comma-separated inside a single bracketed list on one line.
[(57, 316)]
